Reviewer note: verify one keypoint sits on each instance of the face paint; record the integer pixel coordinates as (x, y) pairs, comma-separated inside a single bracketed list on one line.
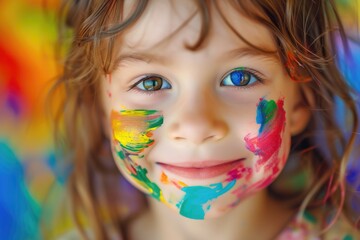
[(271, 117), (197, 199), (239, 173), (267, 145), (132, 134), (166, 180), (143, 180), (132, 130)]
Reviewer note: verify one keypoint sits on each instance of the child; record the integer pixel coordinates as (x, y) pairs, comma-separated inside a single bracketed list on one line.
[(202, 105)]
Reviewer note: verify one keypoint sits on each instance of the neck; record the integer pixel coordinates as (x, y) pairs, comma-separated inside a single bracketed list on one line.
[(242, 222)]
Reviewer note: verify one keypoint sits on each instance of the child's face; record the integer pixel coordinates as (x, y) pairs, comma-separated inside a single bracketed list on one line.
[(198, 130)]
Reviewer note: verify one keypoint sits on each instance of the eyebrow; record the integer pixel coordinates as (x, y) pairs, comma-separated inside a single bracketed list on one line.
[(235, 53), (139, 57), (253, 52)]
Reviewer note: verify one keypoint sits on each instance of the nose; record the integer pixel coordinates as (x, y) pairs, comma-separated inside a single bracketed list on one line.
[(197, 121)]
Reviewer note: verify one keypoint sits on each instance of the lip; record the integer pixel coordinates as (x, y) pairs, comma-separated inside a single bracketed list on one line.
[(201, 170)]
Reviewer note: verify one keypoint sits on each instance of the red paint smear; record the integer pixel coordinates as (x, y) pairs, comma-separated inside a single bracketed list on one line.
[(238, 173), (267, 144), (130, 166), (242, 191), (176, 184)]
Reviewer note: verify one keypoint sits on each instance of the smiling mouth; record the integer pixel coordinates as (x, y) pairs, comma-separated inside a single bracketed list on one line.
[(200, 170)]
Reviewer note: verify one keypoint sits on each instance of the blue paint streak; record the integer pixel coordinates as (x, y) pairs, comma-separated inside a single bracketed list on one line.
[(260, 115), (192, 205), (19, 212), (265, 112)]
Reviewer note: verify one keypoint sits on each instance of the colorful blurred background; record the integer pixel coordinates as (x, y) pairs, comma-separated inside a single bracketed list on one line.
[(27, 68), (28, 173)]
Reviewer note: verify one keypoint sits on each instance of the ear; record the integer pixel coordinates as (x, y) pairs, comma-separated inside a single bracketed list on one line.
[(301, 112)]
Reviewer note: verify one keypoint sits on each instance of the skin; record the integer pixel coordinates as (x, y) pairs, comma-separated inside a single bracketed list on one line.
[(202, 120)]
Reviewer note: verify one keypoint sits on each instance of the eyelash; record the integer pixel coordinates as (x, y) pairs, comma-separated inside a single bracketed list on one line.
[(252, 72), (134, 88)]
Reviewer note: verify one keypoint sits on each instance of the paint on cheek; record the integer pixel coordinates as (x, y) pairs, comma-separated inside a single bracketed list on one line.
[(132, 131), (166, 180), (197, 199), (265, 113), (133, 128), (144, 181), (239, 173), (271, 117)]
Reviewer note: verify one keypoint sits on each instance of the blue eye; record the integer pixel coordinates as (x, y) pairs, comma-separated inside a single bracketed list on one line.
[(240, 78), (153, 83)]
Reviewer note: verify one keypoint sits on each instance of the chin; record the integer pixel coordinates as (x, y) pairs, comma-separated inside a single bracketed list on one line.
[(213, 213)]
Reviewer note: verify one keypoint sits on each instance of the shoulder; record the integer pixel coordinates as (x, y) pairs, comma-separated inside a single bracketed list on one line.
[(310, 225)]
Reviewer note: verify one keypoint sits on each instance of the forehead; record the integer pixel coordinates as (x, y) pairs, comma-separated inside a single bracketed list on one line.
[(171, 23)]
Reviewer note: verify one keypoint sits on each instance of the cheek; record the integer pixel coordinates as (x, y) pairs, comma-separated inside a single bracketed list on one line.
[(270, 146), (271, 117), (132, 134), (132, 130)]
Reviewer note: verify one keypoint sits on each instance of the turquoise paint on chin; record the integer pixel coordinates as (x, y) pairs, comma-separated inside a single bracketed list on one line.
[(193, 204)]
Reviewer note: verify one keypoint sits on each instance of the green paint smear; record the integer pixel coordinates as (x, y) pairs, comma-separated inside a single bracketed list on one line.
[(138, 111), (121, 155), (265, 112), (137, 147), (156, 123), (152, 124), (192, 205), (141, 176)]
